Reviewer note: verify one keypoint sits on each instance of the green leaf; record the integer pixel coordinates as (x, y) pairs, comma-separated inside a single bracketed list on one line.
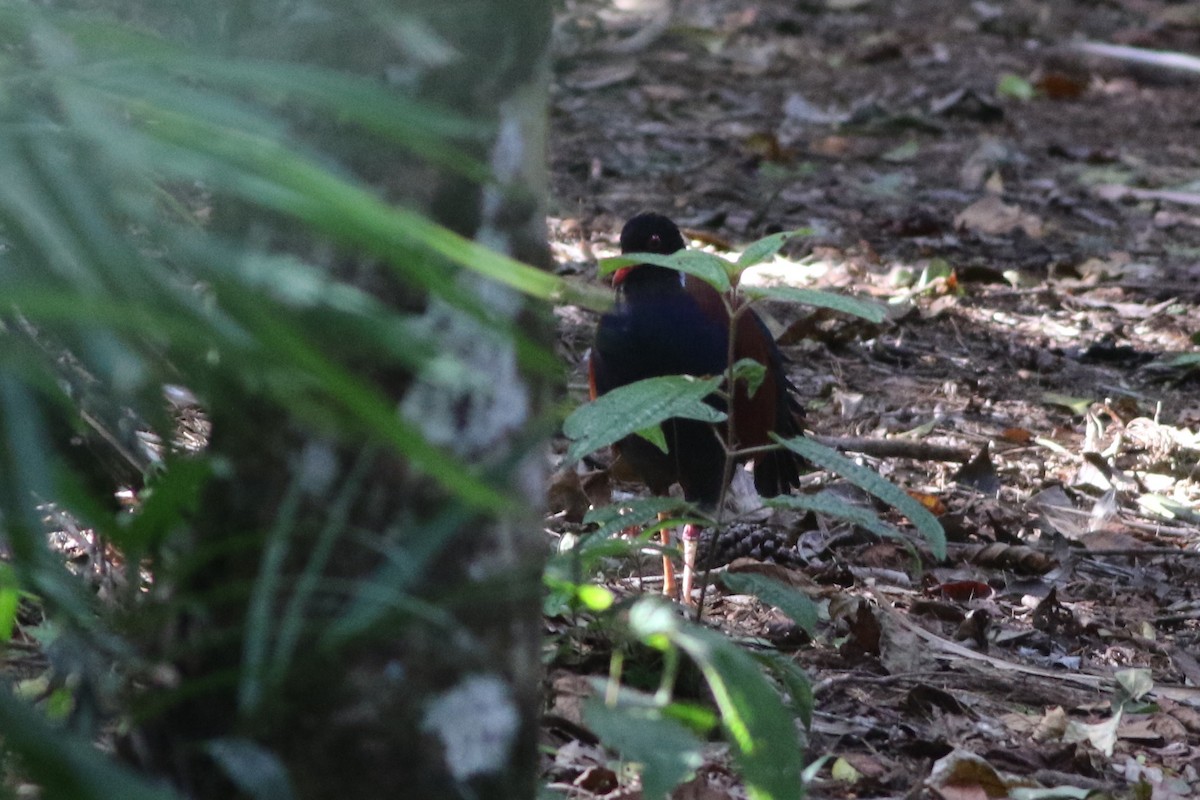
[(904, 153), (793, 678), (866, 309), (65, 765), (875, 484), (762, 733), (795, 604), (617, 517), (1076, 405), (368, 405), (595, 598), (698, 718), (629, 409), (298, 186), (1133, 684), (10, 600), (1186, 359), (174, 495), (668, 752), (830, 504), (1014, 86), (765, 248), (842, 770), (750, 371), (655, 436), (709, 268), (256, 771)]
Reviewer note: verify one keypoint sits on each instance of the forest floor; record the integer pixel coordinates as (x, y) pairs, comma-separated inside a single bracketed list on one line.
[(1030, 213)]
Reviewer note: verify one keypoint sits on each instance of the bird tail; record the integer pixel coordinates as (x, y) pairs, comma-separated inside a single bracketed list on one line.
[(778, 472)]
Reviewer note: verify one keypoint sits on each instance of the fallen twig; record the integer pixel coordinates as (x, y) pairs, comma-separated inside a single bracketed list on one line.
[(1137, 56), (896, 448)]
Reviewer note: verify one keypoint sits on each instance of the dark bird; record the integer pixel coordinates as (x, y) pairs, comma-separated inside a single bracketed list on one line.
[(669, 323)]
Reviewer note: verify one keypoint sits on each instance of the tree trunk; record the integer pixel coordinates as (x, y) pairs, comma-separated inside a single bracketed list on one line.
[(431, 689)]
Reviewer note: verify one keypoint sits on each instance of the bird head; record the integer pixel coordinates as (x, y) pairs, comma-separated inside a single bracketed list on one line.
[(648, 233)]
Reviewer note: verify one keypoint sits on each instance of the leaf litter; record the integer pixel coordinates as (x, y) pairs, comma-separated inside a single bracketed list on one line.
[(1025, 209)]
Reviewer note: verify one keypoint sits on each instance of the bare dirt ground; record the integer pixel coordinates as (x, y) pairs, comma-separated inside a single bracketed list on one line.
[(1031, 214)]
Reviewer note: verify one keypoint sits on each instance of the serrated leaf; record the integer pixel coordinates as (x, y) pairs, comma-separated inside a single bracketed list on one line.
[(866, 309), (875, 484), (751, 372), (636, 407), (832, 505), (796, 605), (667, 751), (765, 248), (757, 725), (709, 268)]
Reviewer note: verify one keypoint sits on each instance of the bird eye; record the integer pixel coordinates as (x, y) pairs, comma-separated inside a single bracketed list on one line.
[(655, 241)]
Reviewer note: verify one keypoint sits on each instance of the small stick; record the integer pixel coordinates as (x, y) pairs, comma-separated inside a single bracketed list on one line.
[(896, 448)]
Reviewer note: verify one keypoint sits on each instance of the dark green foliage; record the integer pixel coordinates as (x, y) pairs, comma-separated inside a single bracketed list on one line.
[(215, 196)]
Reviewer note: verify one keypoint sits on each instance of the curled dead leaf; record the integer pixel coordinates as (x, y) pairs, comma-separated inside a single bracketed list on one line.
[(1018, 558), (930, 501), (961, 591), (1016, 435), (991, 216)]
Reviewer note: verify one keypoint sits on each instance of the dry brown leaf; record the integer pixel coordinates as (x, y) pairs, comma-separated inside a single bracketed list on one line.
[(1016, 435), (1018, 558), (962, 775), (700, 789), (566, 495), (1062, 86), (570, 693), (900, 651), (1154, 730), (931, 502), (991, 216), (1052, 726)]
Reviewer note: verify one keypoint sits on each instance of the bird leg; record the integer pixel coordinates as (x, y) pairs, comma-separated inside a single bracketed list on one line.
[(668, 566), (691, 544)]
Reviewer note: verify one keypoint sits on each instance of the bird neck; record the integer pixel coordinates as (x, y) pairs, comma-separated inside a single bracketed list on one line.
[(649, 279)]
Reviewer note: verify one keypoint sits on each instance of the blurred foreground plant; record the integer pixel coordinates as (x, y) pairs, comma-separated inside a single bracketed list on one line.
[(230, 198)]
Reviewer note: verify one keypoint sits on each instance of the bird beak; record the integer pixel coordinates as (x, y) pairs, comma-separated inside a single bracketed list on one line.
[(620, 275)]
